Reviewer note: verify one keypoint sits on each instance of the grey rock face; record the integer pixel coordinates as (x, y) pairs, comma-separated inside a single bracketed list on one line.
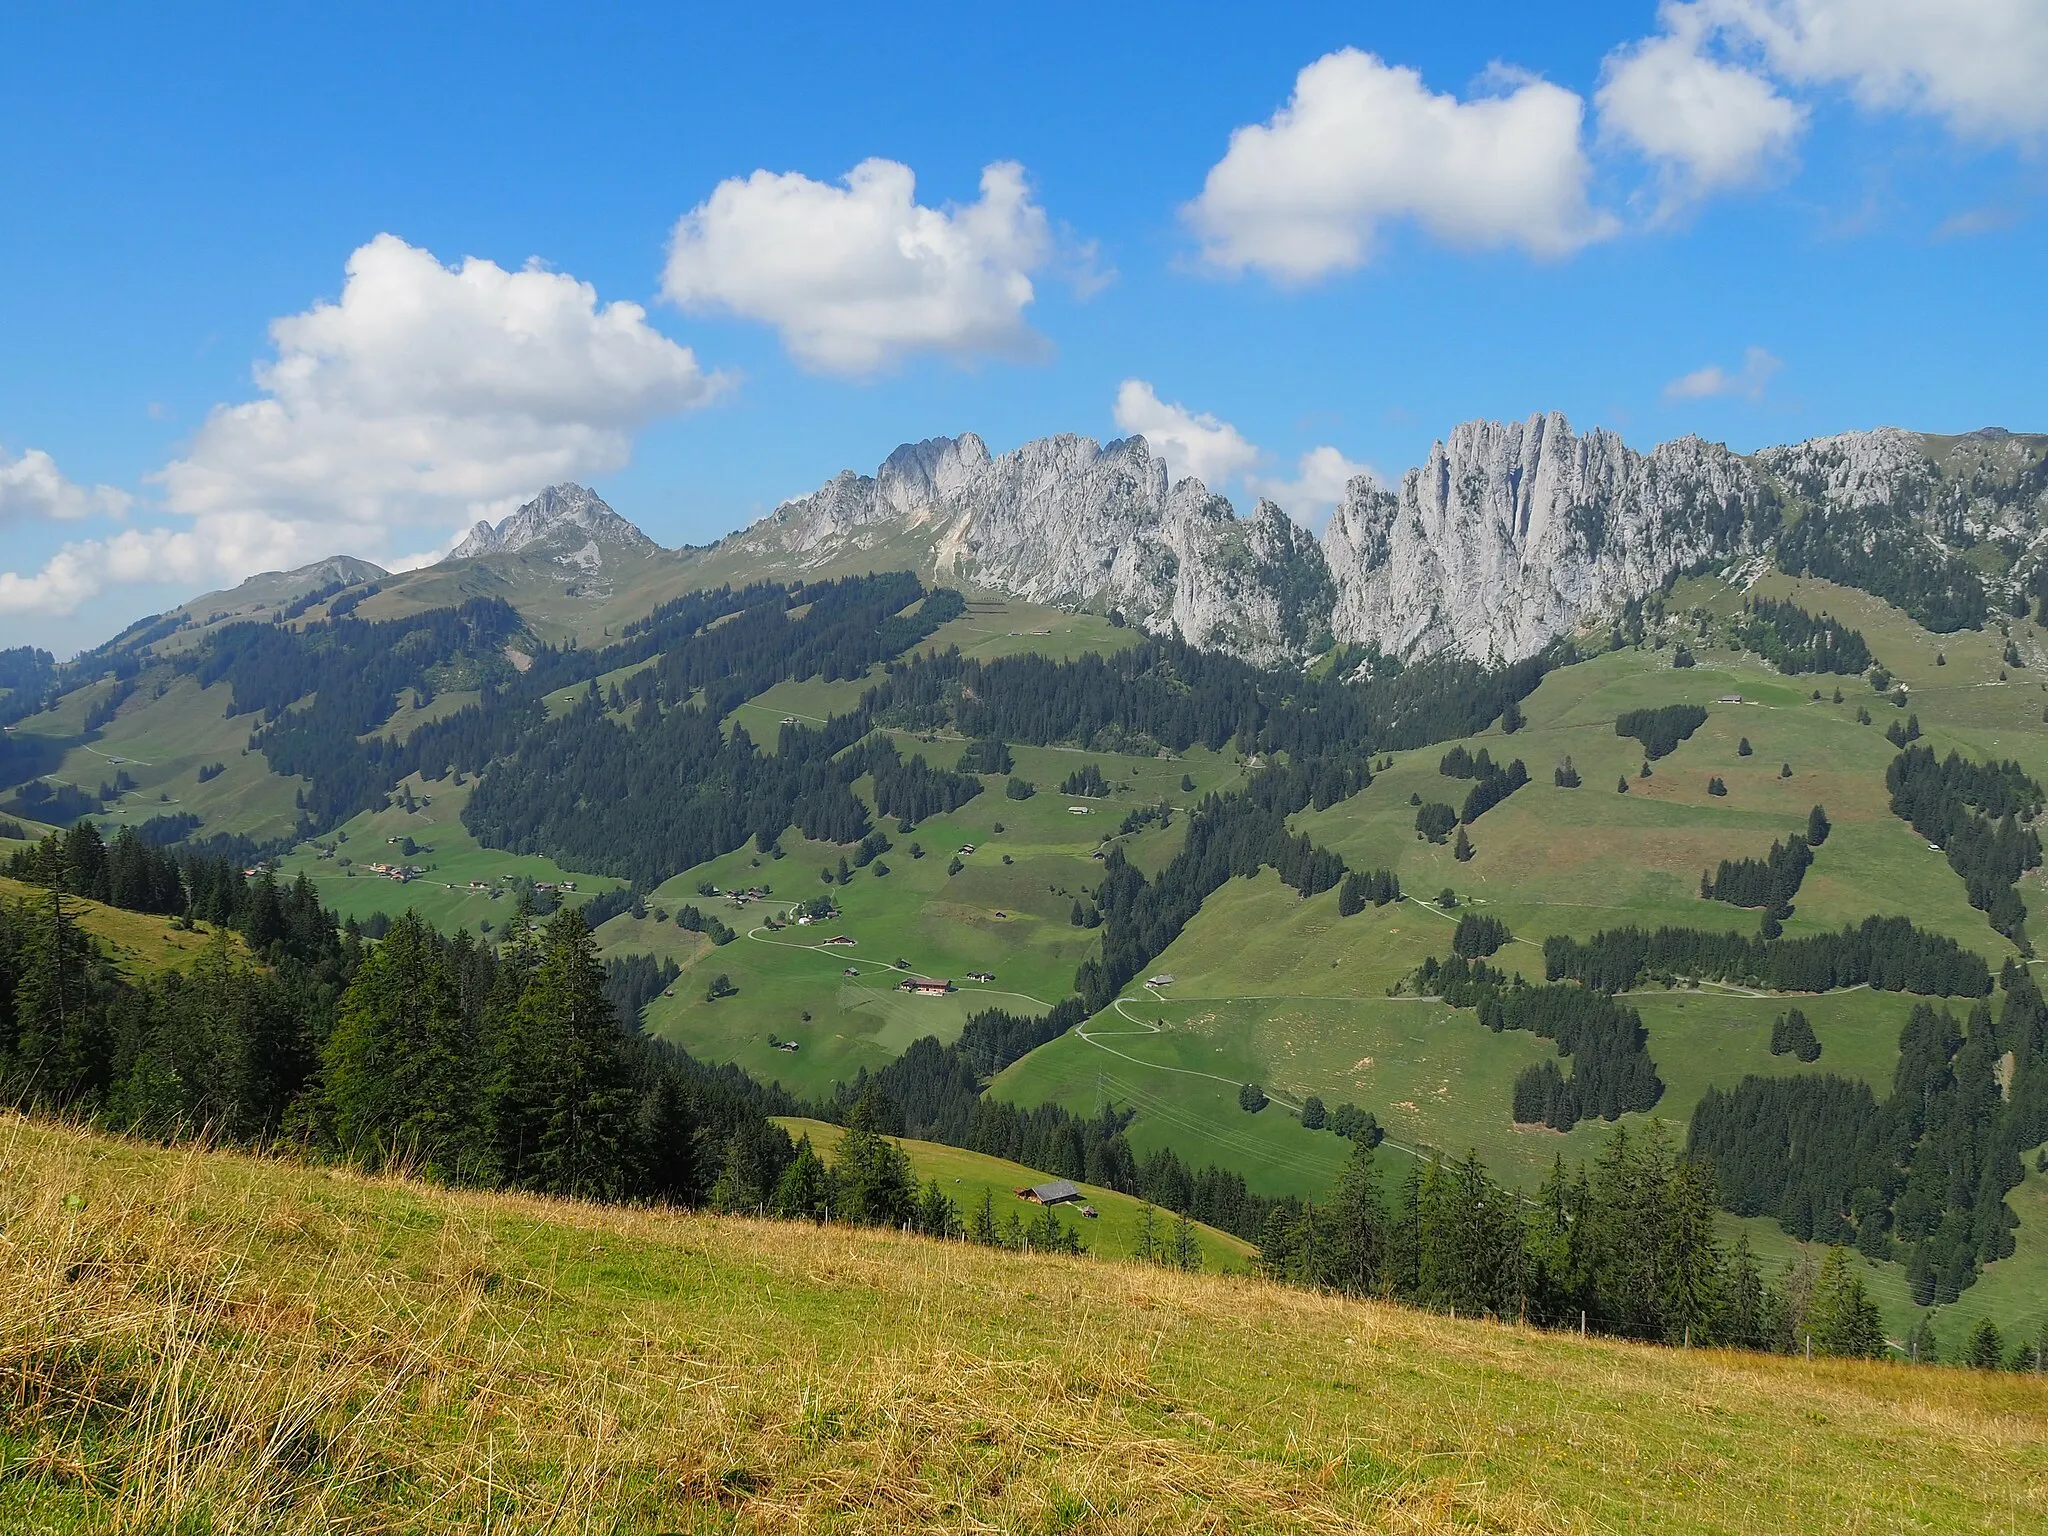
[(574, 524), (1516, 532), (1067, 520), (1510, 535)]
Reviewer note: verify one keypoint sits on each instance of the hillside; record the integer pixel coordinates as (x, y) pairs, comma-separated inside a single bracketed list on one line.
[(1113, 1232), (827, 777), (267, 1346), (139, 945)]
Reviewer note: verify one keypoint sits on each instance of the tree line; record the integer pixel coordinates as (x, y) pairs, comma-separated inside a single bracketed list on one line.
[(1973, 812), (503, 1066), (1612, 1073), (1795, 641), (1921, 1177), (1770, 882), (1888, 954), (1627, 1247)]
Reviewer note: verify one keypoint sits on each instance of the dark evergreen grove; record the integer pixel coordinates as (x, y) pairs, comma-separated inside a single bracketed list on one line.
[(1660, 730), (1792, 1035), (1627, 1247), (1085, 782), (1435, 822), (1795, 641), (1921, 1177), (503, 1066), (1973, 812), (1360, 886), (1888, 954), (1770, 882), (1885, 553), (1477, 936), (1490, 788), (1612, 1072)]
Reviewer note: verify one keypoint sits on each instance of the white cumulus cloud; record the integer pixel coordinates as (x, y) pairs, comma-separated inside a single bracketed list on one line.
[(1361, 143), (33, 489), (1979, 65), (1319, 483), (857, 275), (1191, 443), (389, 419), (1749, 381), (1711, 124)]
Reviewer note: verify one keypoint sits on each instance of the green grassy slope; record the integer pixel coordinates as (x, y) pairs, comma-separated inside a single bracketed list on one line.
[(269, 1347), (1012, 919), (1112, 1233), (139, 945), (1281, 991), (449, 855)]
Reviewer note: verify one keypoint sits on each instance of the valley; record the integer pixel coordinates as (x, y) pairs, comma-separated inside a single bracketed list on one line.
[(795, 948)]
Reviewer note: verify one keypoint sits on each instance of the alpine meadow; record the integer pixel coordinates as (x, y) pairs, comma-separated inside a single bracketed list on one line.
[(1140, 981)]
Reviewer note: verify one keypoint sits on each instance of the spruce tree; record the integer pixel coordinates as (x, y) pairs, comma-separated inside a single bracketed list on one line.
[(1745, 1325), (1695, 1281), (1921, 1347), (981, 1228), (937, 1216), (1985, 1350), (1357, 1220), (872, 1172), (805, 1189), (584, 1125), (1841, 1318), (1145, 1246), (401, 1063), (1186, 1250)]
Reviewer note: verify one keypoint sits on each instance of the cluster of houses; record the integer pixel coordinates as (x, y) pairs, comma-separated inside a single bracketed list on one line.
[(399, 872), (982, 976)]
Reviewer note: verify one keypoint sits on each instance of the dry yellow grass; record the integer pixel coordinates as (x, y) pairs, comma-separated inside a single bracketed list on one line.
[(198, 1342)]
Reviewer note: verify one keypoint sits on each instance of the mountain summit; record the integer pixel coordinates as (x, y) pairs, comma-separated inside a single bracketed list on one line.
[(570, 522), (1511, 534)]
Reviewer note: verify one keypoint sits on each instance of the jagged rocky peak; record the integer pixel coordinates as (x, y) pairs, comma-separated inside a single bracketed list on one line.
[(569, 516), (1510, 534), (1513, 533)]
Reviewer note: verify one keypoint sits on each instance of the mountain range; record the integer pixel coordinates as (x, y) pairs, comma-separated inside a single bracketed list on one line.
[(1509, 535)]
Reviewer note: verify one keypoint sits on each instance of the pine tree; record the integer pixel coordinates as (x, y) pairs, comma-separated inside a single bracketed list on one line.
[(1145, 1248), (982, 1227), (1695, 1298), (937, 1216), (1186, 1250), (1356, 1261), (805, 1189), (1986, 1349), (58, 1053), (1746, 1325), (873, 1173), (1921, 1347), (1841, 1319), (1462, 849), (401, 1062), (584, 1112)]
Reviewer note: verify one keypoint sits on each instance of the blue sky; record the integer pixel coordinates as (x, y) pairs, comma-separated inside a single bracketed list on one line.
[(1729, 217)]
